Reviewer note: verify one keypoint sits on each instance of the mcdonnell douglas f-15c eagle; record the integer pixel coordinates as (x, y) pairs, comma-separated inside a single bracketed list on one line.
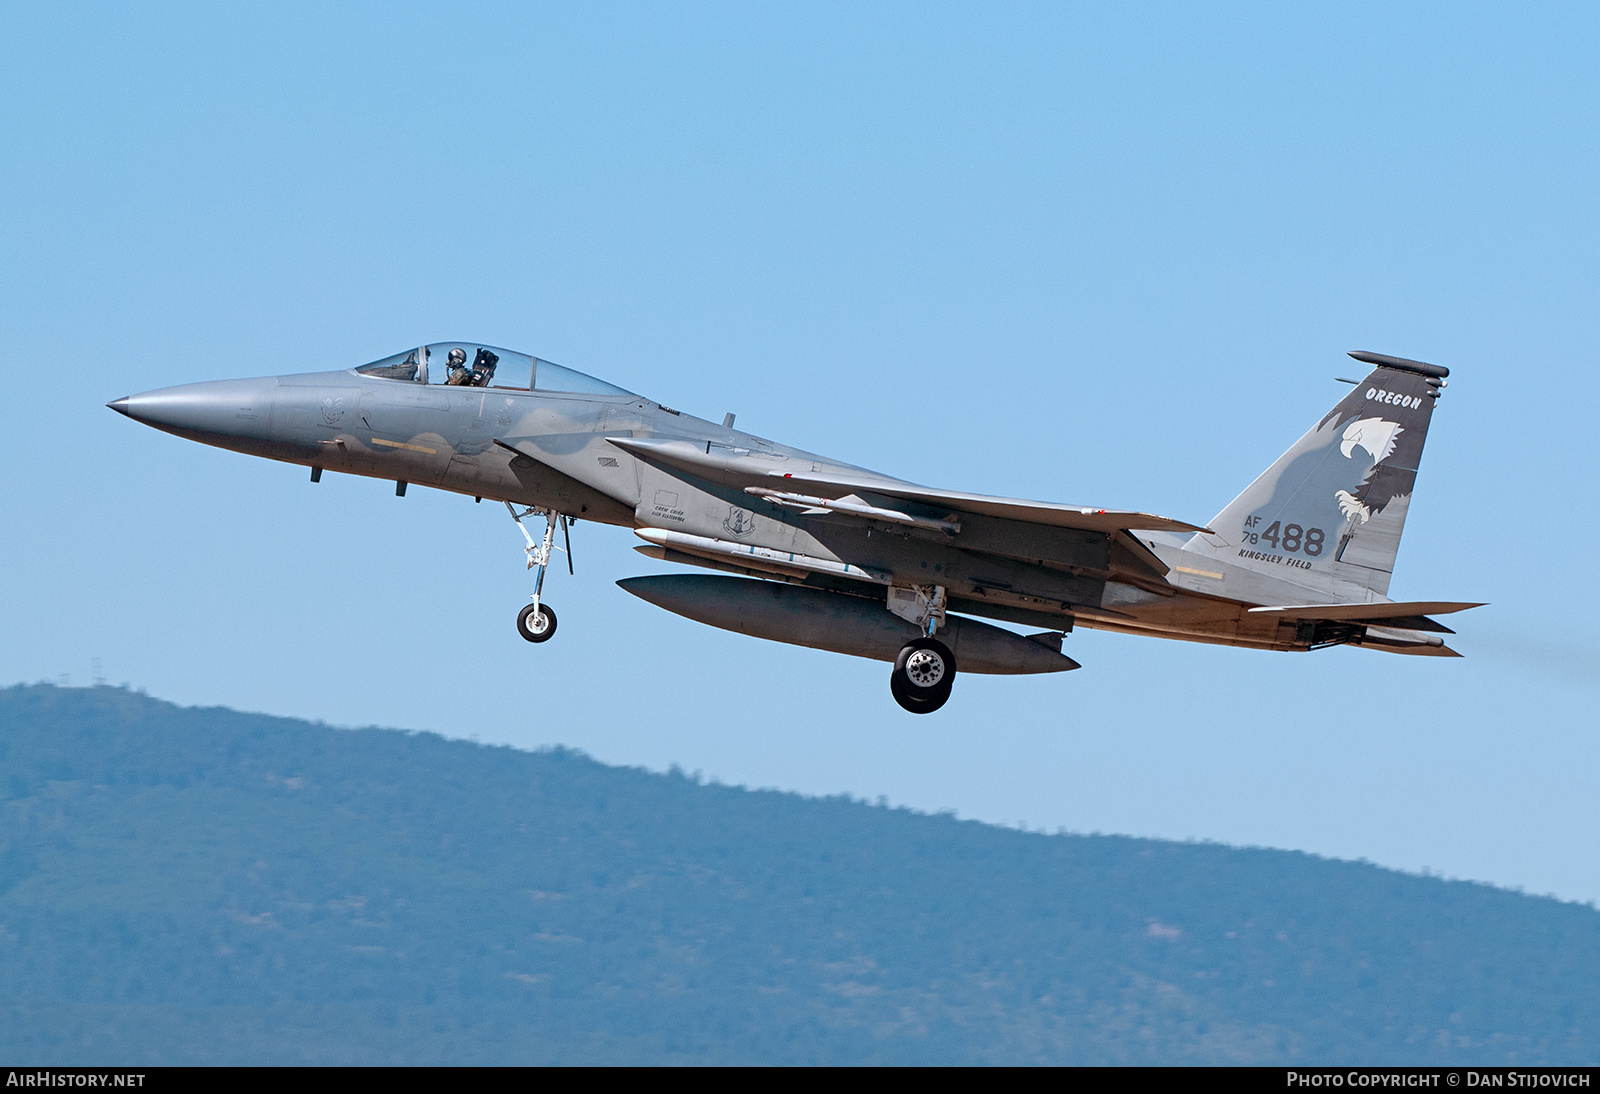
[(848, 560)]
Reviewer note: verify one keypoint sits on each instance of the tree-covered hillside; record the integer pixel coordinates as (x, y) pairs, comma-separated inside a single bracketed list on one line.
[(186, 885)]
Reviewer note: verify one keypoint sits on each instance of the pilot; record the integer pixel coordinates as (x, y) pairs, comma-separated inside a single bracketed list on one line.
[(455, 368)]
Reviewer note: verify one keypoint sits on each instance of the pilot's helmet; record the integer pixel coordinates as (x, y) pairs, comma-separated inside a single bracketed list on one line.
[(457, 358)]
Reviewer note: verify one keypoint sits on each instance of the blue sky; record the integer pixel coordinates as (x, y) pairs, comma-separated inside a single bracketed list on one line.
[(1107, 255)]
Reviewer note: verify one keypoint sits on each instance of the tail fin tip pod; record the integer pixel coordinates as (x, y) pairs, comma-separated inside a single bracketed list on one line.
[(1329, 512), (1405, 364)]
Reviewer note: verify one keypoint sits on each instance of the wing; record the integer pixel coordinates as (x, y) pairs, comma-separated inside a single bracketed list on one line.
[(762, 474)]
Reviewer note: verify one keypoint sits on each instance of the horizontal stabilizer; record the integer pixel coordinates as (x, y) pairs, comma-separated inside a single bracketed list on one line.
[(1410, 650), (1405, 640), (1398, 609)]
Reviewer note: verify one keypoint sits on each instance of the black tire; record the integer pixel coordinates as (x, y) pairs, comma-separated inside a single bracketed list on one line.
[(911, 702), (542, 630), (924, 673)]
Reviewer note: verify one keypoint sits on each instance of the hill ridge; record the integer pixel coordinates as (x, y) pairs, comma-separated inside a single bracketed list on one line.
[(201, 884)]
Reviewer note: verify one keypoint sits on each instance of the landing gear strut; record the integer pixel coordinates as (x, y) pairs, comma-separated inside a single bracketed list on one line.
[(537, 622)]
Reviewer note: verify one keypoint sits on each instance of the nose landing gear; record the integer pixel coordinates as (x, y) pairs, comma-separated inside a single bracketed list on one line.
[(537, 622)]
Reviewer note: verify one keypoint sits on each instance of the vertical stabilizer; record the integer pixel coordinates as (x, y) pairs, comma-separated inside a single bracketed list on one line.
[(1329, 513)]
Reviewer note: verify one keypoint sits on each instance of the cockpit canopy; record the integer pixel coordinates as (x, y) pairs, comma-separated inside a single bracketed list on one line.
[(472, 364)]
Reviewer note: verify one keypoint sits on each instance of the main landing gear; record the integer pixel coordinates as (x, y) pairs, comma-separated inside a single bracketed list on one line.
[(537, 622), (923, 675), (925, 669)]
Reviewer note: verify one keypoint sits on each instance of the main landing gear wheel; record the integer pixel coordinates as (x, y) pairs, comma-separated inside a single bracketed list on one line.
[(923, 675), (536, 627)]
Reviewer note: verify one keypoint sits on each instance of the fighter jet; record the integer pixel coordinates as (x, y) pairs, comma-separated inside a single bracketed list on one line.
[(821, 553)]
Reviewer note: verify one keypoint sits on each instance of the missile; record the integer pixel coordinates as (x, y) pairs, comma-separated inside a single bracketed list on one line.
[(853, 505), (761, 558), (854, 625)]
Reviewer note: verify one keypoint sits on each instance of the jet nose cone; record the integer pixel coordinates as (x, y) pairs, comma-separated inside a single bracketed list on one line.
[(218, 412)]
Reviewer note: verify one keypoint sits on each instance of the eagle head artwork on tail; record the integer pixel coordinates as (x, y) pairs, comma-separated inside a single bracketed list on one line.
[(1374, 434), (1377, 437)]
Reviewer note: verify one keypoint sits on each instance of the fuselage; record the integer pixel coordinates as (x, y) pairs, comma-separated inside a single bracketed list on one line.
[(606, 455)]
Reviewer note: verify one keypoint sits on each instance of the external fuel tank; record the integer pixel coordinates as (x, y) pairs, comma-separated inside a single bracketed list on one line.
[(854, 625)]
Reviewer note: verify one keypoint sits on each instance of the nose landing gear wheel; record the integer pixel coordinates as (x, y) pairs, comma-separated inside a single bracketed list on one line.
[(923, 675), (536, 628)]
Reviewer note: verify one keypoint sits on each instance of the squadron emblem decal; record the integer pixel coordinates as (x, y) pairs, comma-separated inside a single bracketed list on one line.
[(332, 411), (739, 522), (1374, 434), (1377, 437)]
